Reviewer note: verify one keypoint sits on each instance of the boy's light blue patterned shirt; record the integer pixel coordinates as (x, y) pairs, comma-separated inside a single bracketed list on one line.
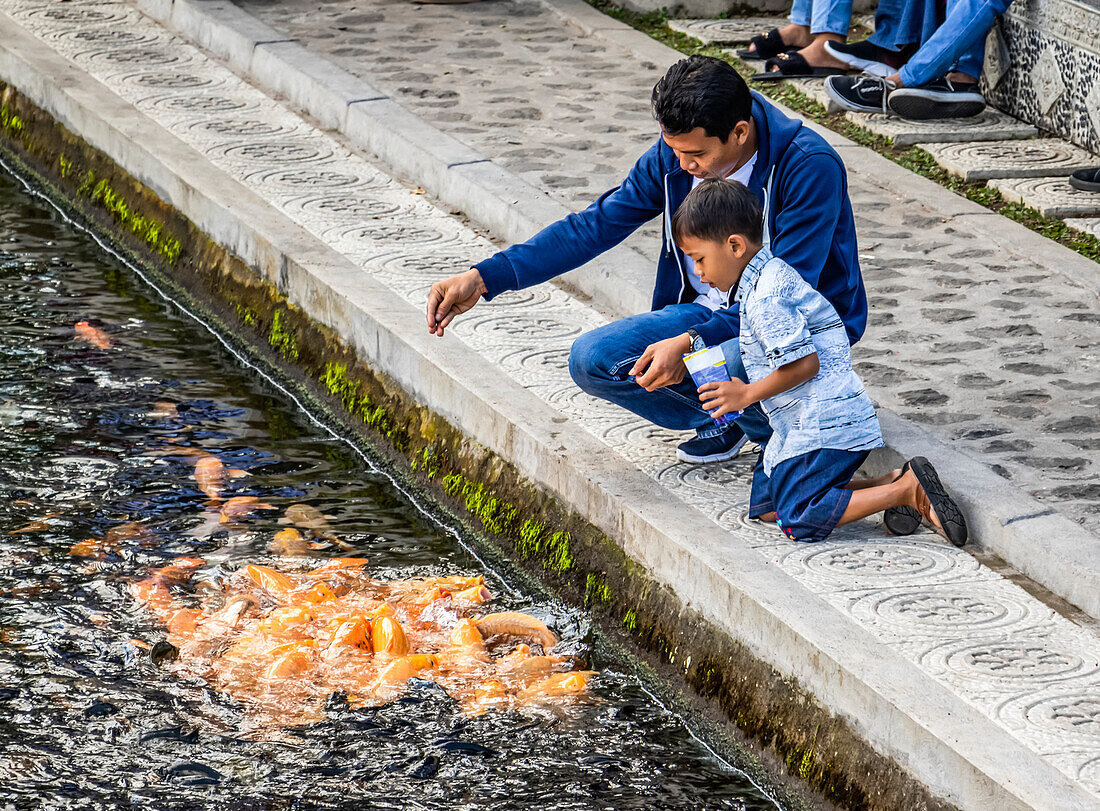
[(784, 319)]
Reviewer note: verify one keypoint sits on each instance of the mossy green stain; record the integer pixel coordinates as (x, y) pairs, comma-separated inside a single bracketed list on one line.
[(630, 620), (558, 556), (529, 534), (146, 229), (282, 340), (247, 316), (596, 591)]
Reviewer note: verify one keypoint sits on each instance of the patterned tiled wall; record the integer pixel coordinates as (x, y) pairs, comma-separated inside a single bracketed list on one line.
[(1051, 77)]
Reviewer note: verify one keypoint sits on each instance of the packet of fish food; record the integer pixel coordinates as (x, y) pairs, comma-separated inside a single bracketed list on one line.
[(709, 366)]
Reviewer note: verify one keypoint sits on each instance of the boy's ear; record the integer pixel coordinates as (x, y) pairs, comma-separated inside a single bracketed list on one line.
[(737, 244)]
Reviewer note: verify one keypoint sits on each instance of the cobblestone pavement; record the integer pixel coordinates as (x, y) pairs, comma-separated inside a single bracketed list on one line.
[(968, 339), (1033, 673)]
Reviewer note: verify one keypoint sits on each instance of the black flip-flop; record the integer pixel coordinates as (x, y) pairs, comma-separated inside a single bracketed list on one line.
[(767, 45), (1086, 179), (901, 520), (952, 524), (793, 66)]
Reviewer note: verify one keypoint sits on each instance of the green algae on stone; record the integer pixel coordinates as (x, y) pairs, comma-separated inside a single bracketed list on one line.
[(281, 339)]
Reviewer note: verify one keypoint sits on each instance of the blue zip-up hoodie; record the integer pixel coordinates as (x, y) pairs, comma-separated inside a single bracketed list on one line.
[(808, 218)]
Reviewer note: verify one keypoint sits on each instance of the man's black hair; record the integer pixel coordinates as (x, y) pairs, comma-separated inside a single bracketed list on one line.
[(701, 91), (717, 208)]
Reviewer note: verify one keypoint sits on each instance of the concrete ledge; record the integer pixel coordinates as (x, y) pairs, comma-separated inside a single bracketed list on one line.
[(904, 713), (509, 206)]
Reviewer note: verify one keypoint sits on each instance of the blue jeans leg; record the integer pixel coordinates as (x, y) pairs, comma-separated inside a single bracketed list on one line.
[(960, 40), (831, 17), (600, 360), (823, 16)]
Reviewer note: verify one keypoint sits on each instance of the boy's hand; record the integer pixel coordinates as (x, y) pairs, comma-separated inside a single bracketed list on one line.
[(727, 397), (662, 363)]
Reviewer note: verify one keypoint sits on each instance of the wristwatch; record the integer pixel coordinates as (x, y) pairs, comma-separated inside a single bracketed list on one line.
[(697, 342)]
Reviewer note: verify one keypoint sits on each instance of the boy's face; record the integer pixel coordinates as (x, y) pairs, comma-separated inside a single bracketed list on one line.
[(705, 156), (719, 264)]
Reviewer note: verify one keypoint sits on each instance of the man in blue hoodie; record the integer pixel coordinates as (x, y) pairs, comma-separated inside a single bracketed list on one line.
[(711, 126)]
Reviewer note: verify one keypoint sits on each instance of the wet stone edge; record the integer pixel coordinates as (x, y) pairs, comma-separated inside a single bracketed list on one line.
[(710, 675)]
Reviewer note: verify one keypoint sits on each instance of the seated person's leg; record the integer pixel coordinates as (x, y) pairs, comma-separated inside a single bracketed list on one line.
[(600, 362), (897, 30), (809, 492)]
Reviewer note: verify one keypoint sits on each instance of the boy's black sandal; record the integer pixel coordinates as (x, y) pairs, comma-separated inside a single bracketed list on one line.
[(766, 45), (793, 66), (901, 520), (952, 524), (1086, 179)]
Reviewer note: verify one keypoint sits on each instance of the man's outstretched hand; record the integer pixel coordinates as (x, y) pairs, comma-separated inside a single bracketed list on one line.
[(451, 297), (662, 363)]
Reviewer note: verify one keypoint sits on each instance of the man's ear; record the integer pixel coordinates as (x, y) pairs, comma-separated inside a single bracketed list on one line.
[(738, 245), (741, 132)]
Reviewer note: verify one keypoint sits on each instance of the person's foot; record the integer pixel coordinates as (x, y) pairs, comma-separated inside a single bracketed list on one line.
[(901, 520), (1086, 179), (699, 450), (942, 99), (868, 57), (861, 94), (929, 498), (818, 55)]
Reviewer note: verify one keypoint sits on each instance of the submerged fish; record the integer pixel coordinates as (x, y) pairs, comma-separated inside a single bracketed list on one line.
[(281, 642), (89, 334)]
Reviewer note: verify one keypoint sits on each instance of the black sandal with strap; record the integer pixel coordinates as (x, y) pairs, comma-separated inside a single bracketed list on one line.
[(793, 66), (766, 45)]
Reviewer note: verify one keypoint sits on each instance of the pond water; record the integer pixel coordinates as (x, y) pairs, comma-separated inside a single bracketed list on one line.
[(87, 720)]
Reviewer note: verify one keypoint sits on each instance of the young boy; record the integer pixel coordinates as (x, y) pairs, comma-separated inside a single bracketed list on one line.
[(798, 360)]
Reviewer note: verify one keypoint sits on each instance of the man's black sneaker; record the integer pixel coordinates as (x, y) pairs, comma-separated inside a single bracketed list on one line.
[(869, 57), (942, 99), (719, 448), (861, 94)]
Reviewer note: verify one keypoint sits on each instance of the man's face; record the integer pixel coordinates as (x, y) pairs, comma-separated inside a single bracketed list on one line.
[(706, 156)]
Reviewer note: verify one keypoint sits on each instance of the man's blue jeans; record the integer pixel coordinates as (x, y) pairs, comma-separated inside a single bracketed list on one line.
[(601, 359), (958, 44), (823, 16)]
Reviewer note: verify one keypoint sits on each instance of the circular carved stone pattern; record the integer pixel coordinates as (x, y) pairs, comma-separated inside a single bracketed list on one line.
[(1073, 715), (305, 178), (275, 152), (872, 564), (202, 104), (965, 608), (77, 14), (508, 330), (142, 55), (174, 80)]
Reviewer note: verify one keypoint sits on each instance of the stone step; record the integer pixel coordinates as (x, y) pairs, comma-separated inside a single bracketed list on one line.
[(1040, 157), (735, 31), (1052, 196), (1089, 225), (991, 125)]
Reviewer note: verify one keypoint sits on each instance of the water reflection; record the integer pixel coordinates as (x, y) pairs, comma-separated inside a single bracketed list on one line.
[(93, 498)]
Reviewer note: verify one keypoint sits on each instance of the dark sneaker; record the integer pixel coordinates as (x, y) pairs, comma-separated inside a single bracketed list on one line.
[(942, 99), (869, 57), (901, 520), (719, 448), (861, 94)]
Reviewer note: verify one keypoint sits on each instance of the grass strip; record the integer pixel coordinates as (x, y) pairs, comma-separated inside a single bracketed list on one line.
[(655, 25)]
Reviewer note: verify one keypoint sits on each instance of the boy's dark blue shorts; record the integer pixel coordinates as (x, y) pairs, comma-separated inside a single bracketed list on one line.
[(805, 492)]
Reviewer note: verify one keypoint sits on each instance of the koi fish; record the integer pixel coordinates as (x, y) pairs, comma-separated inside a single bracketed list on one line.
[(89, 334)]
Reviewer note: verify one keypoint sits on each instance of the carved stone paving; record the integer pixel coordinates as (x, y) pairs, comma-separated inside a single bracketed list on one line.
[(1041, 157), (982, 637), (727, 32), (1052, 196), (991, 125)]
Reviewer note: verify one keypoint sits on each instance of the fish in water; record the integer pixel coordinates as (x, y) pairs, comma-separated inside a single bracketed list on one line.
[(163, 410), (240, 507), (313, 523), (89, 334), (281, 641)]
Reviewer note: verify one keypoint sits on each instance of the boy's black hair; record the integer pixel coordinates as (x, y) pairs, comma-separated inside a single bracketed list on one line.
[(717, 208), (701, 91)]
